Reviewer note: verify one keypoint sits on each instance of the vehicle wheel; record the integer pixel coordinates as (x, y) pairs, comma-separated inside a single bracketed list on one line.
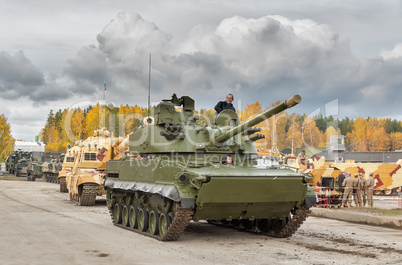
[(133, 216), (388, 192), (143, 218), (154, 222), (164, 223), (377, 192), (117, 213), (125, 216)]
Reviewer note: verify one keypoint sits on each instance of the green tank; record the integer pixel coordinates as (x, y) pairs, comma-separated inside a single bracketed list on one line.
[(179, 171)]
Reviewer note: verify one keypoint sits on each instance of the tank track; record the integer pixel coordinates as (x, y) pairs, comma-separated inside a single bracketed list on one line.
[(88, 196), (299, 216), (287, 230), (179, 223)]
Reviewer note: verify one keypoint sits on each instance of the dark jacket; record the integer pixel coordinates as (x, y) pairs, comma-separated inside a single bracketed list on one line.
[(222, 105), (341, 178)]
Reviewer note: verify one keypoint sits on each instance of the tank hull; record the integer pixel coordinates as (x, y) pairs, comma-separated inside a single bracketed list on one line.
[(212, 193)]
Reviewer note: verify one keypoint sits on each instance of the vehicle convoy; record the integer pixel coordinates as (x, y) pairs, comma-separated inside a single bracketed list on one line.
[(179, 171), (85, 180)]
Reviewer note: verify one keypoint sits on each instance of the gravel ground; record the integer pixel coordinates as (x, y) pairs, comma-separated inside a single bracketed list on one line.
[(39, 225)]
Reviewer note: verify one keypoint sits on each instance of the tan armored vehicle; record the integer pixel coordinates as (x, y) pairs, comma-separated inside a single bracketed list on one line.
[(67, 166), (85, 181)]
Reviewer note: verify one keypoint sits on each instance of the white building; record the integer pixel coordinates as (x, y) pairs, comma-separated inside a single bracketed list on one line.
[(29, 146)]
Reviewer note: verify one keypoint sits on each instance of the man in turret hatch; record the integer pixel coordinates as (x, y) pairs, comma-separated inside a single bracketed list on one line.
[(227, 160), (222, 105)]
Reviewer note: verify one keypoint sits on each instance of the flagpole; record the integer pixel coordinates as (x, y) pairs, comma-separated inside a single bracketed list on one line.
[(104, 102)]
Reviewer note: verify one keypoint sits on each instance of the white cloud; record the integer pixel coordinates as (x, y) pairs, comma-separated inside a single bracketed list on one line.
[(267, 58), (396, 52)]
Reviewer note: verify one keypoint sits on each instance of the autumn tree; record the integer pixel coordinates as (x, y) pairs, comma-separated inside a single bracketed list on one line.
[(6, 140)]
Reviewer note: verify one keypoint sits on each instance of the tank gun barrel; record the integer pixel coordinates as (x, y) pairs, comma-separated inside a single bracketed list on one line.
[(293, 101)]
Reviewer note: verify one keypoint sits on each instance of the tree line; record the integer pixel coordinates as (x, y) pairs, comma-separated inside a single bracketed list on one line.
[(281, 131)]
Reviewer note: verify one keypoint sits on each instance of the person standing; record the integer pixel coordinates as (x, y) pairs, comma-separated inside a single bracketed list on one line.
[(370, 187), (356, 193), (341, 178), (363, 189), (227, 104), (347, 196), (360, 190)]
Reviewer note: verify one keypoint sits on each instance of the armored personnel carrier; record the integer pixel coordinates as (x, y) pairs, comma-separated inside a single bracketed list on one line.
[(67, 165), (34, 170), (179, 171), (21, 167), (85, 181), (50, 170)]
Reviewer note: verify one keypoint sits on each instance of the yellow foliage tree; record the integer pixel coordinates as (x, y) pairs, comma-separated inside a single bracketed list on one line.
[(6, 140)]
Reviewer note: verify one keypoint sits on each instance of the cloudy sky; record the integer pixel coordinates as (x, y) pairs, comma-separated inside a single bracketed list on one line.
[(343, 57)]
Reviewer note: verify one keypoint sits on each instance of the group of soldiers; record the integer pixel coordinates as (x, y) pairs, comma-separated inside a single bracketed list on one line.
[(359, 187)]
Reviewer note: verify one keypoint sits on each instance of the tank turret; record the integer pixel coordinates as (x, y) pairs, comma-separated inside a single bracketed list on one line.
[(257, 119), (179, 170)]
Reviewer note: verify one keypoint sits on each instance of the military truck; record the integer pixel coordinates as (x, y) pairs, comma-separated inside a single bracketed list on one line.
[(179, 170)]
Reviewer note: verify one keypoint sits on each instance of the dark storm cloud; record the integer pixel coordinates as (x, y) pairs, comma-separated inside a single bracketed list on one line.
[(267, 59), (18, 76)]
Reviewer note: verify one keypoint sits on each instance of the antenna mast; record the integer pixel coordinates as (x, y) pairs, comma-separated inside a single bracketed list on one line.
[(149, 89)]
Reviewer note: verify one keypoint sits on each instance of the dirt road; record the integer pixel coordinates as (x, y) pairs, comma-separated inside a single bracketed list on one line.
[(39, 225)]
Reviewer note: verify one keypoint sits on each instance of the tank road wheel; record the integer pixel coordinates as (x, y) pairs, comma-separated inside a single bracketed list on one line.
[(247, 224), (388, 192), (164, 223), (377, 192), (143, 217), (133, 216), (125, 216), (235, 223), (264, 225), (117, 213), (154, 222)]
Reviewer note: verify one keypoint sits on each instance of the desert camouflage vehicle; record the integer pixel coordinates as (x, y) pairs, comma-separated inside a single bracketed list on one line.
[(85, 181), (387, 176), (67, 165)]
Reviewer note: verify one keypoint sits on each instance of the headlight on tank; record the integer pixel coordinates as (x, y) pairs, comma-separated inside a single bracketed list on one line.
[(191, 179)]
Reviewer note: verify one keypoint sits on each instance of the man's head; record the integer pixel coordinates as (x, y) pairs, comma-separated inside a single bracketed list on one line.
[(229, 98), (371, 174), (229, 159)]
